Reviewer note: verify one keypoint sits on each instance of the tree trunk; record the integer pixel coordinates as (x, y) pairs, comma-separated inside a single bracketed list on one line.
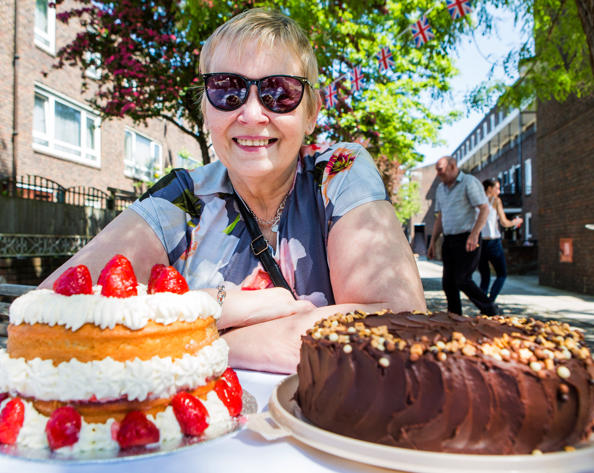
[(192, 107), (586, 12)]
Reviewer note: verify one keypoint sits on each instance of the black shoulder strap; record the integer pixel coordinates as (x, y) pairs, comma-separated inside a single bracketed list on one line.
[(260, 248)]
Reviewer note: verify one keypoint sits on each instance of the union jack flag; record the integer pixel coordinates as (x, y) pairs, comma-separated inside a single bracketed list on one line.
[(458, 8), (421, 31), (384, 57), (356, 78), (331, 94)]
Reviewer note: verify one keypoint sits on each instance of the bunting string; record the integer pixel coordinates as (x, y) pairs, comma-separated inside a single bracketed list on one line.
[(421, 32)]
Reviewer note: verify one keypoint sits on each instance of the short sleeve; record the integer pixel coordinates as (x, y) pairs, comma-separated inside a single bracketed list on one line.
[(350, 179), (166, 206), (475, 191)]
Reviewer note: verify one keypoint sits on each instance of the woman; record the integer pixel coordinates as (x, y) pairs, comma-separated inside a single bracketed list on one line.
[(492, 249), (323, 212)]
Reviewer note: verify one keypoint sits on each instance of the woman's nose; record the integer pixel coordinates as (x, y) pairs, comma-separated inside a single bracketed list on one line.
[(253, 110)]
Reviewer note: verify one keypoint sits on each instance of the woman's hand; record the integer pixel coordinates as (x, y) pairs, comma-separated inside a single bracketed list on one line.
[(242, 308)]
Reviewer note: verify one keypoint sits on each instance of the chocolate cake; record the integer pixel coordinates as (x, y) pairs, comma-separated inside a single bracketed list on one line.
[(448, 383)]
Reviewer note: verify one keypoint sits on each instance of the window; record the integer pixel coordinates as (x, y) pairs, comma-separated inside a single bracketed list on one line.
[(45, 26), (492, 121), (527, 226), (142, 156), (528, 176), (65, 129), (485, 129)]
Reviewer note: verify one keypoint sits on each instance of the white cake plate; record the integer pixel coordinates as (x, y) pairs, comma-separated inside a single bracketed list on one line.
[(250, 406), (287, 419)]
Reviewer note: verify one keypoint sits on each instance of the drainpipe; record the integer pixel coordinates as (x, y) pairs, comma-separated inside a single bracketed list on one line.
[(15, 123), (520, 159)]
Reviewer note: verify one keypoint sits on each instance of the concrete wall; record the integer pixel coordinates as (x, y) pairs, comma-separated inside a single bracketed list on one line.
[(565, 177)]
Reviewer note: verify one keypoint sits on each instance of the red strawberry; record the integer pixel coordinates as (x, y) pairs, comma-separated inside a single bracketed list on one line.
[(190, 413), (136, 430), (75, 280), (63, 427), (232, 380), (11, 421), (166, 279), (117, 278), (229, 397)]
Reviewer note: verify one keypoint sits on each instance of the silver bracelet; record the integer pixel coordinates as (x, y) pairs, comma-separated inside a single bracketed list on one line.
[(221, 293)]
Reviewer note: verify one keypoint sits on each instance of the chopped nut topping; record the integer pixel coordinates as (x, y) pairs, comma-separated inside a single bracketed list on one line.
[(542, 346), (563, 372)]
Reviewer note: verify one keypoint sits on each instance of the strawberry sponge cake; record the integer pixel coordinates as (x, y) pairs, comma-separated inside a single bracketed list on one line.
[(115, 365)]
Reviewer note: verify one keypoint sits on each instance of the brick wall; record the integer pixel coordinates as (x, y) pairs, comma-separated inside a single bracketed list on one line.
[(6, 57), (35, 67), (564, 176)]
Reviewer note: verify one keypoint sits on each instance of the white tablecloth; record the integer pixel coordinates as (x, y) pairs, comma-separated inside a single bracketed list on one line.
[(243, 452)]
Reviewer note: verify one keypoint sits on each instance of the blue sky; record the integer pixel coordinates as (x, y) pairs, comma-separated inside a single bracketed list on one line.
[(475, 55)]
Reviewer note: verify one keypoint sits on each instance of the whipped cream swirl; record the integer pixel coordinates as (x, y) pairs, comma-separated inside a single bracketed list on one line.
[(108, 379), (94, 436), (47, 307)]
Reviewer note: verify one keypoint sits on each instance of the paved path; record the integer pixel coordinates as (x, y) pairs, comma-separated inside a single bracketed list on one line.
[(522, 296)]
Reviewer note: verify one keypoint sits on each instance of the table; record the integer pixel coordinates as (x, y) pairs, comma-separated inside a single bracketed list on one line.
[(243, 452)]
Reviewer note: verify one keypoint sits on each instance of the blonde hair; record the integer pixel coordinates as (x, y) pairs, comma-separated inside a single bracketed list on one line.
[(270, 29)]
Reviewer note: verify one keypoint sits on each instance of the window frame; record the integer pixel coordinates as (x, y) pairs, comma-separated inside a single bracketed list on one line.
[(136, 172), (528, 176), (527, 225), (46, 40), (86, 113)]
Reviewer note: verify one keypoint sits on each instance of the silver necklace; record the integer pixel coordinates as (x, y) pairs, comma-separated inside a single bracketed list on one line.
[(274, 220)]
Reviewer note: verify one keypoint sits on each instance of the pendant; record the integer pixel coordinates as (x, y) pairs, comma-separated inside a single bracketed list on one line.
[(274, 228)]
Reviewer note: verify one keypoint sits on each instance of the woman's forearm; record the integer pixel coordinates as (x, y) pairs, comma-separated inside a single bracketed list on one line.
[(274, 345)]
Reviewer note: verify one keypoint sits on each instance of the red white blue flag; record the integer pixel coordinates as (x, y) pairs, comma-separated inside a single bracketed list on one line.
[(331, 94), (356, 78), (384, 57), (421, 31), (458, 8)]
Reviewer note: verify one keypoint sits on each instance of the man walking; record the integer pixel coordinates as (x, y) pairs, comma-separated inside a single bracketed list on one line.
[(462, 208)]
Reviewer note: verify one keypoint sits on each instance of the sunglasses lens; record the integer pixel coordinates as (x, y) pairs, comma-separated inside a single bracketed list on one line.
[(281, 94), (225, 91)]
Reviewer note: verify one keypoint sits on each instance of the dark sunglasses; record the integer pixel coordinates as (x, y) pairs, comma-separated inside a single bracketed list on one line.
[(279, 94)]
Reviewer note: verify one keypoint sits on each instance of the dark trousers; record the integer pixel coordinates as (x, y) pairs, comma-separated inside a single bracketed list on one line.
[(458, 266), (492, 252)]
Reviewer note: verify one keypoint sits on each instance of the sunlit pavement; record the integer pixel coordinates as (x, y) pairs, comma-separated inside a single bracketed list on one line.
[(521, 296)]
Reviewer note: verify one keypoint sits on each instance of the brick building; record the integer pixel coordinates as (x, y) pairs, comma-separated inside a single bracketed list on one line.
[(47, 129), (46, 126), (502, 145), (565, 146)]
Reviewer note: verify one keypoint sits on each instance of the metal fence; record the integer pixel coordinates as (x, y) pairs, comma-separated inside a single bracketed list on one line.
[(41, 188)]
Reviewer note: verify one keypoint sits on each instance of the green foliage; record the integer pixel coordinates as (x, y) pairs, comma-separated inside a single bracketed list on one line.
[(408, 201), (389, 113), (150, 52), (553, 62)]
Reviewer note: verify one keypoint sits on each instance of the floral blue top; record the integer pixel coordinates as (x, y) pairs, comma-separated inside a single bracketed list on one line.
[(195, 216)]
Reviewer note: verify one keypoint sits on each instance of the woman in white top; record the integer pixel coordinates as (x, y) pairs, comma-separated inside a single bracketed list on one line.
[(492, 249)]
